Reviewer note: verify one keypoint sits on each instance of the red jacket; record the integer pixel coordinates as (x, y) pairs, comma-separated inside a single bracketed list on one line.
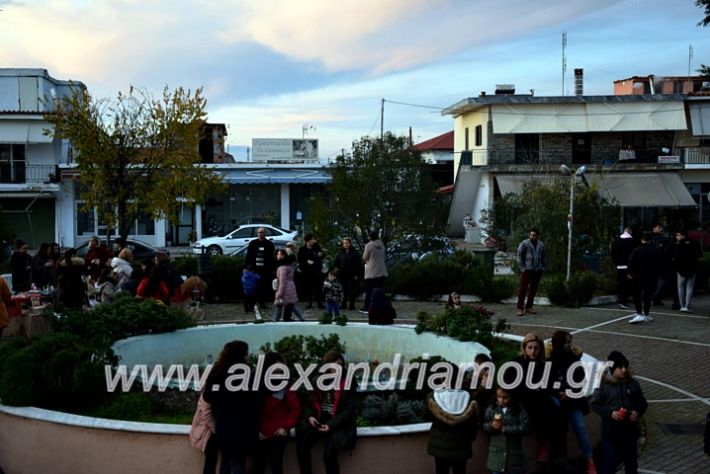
[(277, 413), (161, 294)]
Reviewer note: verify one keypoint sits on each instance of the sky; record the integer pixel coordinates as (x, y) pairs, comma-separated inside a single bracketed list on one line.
[(269, 68)]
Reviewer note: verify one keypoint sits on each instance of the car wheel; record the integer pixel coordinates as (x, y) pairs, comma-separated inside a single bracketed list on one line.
[(214, 250)]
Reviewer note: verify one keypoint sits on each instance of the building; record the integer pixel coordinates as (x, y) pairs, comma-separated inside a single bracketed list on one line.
[(438, 153), (31, 190), (638, 147), (641, 85)]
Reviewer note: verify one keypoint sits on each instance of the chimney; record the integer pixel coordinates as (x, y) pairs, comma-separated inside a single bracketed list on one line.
[(483, 94), (579, 81)]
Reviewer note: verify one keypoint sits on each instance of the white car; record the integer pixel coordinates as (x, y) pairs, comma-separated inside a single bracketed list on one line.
[(240, 237)]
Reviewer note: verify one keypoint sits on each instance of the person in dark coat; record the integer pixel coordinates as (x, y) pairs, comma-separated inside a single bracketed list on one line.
[(39, 264), (21, 265), (168, 274), (620, 403), (453, 429), (620, 253), (72, 291), (310, 264), (261, 255), (234, 409), (665, 278), (686, 253), (380, 310), (97, 257), (643, 273), (562, 356), (349, 267), (330, 415)]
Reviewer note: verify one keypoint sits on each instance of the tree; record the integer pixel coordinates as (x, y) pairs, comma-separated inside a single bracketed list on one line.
[(382, 184), (546, 206), (705, 4), (704, 70), (138, 154)]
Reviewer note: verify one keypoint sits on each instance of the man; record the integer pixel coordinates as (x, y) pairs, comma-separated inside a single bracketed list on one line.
[(97, 257), (532, 261), (666, 275), (375, 267), (260, 255), (620, 253), (643, 272), (686, 254), (310, 262)]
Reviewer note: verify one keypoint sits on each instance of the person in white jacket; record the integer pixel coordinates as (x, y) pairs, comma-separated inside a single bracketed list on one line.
[(121, 266)]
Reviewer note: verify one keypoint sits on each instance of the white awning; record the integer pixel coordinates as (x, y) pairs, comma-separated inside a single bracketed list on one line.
[(588, 117), (26, 132), (625, 189)]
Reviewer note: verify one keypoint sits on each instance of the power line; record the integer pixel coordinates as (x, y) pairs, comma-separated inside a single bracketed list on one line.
[(414, 105)]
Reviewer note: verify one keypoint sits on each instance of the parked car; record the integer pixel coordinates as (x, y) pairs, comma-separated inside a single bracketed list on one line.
[(240, 237), (417, 247), (141, 250), (242, 251)]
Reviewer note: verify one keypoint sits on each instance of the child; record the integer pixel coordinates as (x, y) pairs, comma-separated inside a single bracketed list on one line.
[(249, 279), (453, 429), (620, 403), (279, 413), (202, 435), (333, 291), (507, 422)]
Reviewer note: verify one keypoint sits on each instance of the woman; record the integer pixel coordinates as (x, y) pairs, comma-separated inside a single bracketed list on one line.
[(153, 287), (21, 264), (39, 263), (122, 266), (329, 415), (563, 356), (546, 418), (234, 409), (71, 290)]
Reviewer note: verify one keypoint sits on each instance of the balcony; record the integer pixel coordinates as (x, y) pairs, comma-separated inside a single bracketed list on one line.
[(20, 173)]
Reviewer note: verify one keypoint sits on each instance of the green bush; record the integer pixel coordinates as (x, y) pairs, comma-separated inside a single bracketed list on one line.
[(577, 292), (185, 265), (469, 323), (128, 406), (304, 350)]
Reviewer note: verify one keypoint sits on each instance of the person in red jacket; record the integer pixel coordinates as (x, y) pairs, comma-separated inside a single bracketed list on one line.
[(279, 413), (153, 287)]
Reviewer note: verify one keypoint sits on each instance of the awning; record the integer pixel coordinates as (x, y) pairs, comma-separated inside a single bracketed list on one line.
[(25, 132), (625, 189)]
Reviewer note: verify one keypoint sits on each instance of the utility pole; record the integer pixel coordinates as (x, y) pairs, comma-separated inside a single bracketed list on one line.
[(382, 120), (690, 57), (564, 60)]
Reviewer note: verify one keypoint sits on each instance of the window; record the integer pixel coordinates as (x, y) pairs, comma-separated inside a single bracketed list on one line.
[(479, 135), (145, 225), (527, 148), (12, 163), (465, 146), (677, 87), (244, 233), (85, 220)]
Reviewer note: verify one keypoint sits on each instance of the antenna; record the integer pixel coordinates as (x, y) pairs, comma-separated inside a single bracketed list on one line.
[(307, 128), (690, 57), (564, 60)]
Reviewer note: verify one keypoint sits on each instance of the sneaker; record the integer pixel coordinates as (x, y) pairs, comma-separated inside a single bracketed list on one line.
[(520, 312), (648, 317), (363, 311), (624, 306), (685, 309), (639, 318)]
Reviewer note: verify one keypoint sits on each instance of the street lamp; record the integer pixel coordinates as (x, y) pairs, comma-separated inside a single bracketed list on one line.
[(564, 169)]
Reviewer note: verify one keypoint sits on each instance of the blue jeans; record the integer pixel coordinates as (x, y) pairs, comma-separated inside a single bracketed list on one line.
[(685, 290), (333, 308), (576, 420)]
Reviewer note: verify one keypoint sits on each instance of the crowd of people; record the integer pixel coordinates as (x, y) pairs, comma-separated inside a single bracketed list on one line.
[(289, 276), (654, 266), (76, 282)]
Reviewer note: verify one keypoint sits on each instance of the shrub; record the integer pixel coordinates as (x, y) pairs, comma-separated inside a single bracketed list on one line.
[(304, 350), (577, 292), (185, 265), (469, 323), (392, 410)]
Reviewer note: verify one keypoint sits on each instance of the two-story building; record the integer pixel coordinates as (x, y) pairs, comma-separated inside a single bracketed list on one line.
[(31, 193), (634, 146)]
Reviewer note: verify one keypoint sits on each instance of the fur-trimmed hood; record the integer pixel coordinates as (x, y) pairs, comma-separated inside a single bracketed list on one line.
[(453, 406), (609, 378)]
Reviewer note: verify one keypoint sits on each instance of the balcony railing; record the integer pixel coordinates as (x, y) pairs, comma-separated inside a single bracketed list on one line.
[(595, 156), (21, 173)]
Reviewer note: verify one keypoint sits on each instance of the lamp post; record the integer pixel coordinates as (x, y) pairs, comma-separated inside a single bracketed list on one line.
[(570, 217)]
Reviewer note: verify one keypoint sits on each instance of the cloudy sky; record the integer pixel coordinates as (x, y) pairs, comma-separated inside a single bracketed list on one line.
[(270, 66)]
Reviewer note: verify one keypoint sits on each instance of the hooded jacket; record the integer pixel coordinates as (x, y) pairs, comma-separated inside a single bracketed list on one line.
[(374, 257), (621, 250), (505, 452), (454, 426), (122, 269)]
